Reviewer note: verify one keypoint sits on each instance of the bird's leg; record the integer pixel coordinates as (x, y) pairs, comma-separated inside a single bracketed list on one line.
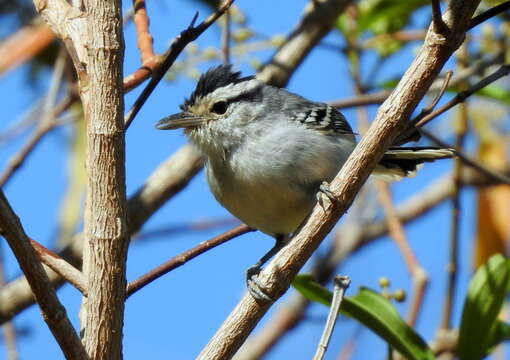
[(324, 189), (252, 282)]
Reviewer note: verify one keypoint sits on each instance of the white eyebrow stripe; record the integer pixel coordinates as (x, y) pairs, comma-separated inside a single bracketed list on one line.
[(234, 90)]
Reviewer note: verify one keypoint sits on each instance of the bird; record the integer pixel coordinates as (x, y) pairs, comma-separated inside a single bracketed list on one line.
[(269, 152)]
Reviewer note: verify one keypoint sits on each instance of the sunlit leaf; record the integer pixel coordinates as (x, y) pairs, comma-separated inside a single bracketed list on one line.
[(375, 312), (485, 297)]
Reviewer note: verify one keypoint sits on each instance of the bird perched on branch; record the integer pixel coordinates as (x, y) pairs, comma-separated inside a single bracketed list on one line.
[(269, 152)]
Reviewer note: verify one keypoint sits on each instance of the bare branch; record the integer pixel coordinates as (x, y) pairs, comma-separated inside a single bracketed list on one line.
[(141, 20), (397, 232), (349, 239), (166, 181), (46, 123), (440, 26), (225, 38), (318, 19), (179, 43), (184, 257), (497, 176), (361, 100), (53, 313), (8, 329), (391, 119), (341, 283), (496, 10), (60, 266), (461, 129)]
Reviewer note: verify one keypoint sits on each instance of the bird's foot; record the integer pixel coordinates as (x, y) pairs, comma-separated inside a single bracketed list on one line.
[(255, 288), (325, 190)]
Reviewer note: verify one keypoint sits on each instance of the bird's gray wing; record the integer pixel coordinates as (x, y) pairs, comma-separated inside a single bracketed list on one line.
[(324, 118)]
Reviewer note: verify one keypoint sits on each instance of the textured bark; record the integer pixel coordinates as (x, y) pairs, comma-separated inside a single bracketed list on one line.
[(52, 310), (105, 223), (391, 119)]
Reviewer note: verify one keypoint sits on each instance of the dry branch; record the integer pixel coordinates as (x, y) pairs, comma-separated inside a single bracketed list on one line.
[(166, 181), (53, 313), (184, 257), (318, 19), (391, 118), (348, 240)]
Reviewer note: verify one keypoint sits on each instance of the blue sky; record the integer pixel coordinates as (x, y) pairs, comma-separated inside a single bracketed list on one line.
[(175, 316)]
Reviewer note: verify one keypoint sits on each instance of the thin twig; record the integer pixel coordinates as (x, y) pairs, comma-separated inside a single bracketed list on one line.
[(397, 232), (9, 331), (53, 312), (341, 283), (504, 70), (461, 128), (46, 123), (179, 43), (496, 10), (60, 266), (225, 38), (145, 40), (361, 100), (199, 225), (44, 127), (411, 134), (498, 176), (183, 258)]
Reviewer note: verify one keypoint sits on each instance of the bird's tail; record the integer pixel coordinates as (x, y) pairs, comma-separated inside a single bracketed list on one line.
[(399, 162)]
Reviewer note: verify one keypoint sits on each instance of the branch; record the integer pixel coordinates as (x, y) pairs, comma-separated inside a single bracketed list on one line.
[(53, 313), (437, 20), (391, 119), (8, 329), (141, 20), (184, 257), (497, 176), (166, 181), (347, 240), (397, 232), (179, 43), (60, 266), (106, 234), (318, 19), (496, 10), (341, 283)]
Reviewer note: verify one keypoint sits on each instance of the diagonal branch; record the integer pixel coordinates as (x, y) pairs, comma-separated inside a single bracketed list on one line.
[(166, 181), (52, 310), (179, 43), (390, 120), (183, 258)]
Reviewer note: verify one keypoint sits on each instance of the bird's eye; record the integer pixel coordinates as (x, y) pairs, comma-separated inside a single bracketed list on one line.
[(219, 108)]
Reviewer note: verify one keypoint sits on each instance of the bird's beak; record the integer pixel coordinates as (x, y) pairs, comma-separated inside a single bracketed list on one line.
[(180, 120)]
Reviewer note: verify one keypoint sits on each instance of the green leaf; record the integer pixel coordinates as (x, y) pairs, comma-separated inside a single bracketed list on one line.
[(485, 297), (499, 332), (375, 312)]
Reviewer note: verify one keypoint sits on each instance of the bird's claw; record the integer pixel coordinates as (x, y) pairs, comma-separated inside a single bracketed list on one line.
[(255, 288), (325, 190)]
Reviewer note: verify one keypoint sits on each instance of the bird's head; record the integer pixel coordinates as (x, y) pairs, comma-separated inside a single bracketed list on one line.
[(221, 104)]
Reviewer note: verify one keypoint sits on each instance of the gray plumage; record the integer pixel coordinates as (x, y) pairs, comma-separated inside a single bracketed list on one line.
[(268, 150)]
